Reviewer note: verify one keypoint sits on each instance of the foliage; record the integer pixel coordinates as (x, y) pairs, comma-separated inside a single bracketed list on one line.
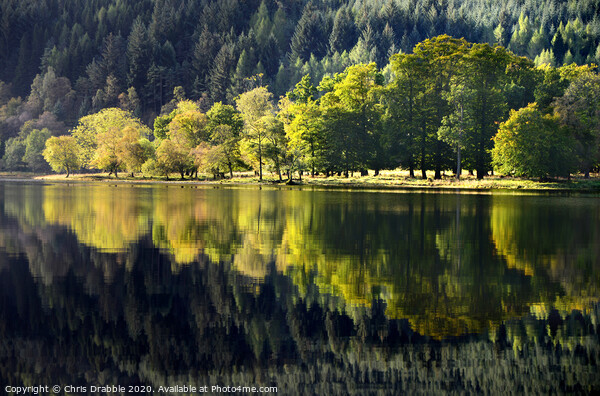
[(531, 144), (34, 146), (107, 123), (172, 156), (14, 153), (579, 110), (254, 106), (63, 154)]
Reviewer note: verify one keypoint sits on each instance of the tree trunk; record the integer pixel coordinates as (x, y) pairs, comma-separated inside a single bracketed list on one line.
[(458, 170), (376, 172), (259, 160)]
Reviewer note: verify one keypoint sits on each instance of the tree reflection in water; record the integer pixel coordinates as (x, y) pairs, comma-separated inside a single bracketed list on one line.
[(314, 292)]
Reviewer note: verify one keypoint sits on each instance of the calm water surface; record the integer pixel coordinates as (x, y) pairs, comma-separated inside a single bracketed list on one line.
[(315, 292)]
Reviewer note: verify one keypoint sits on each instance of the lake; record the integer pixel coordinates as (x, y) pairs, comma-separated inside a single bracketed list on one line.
[(310, 291)]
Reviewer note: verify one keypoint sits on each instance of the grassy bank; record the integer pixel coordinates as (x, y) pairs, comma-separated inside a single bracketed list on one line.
[(386, 180)]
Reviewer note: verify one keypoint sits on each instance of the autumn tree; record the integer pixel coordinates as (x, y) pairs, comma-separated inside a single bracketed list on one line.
[(63, 154), (172, 156), (133, 150), (92, 126)]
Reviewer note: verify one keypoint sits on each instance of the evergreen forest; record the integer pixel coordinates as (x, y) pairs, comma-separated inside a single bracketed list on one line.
[(295, 86)]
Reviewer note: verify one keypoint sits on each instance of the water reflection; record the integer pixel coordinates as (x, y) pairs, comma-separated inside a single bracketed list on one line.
[(345, 291)]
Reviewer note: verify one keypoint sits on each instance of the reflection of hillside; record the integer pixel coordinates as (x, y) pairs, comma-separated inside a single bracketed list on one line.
[(449, 264), (157, 326)]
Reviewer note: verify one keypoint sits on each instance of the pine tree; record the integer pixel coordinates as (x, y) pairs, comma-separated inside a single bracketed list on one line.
[(138, 55), (219, 74), (310, 35), (343, 35), (559, 46)]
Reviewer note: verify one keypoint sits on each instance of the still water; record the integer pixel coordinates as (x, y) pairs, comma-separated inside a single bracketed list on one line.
[(314, 292)]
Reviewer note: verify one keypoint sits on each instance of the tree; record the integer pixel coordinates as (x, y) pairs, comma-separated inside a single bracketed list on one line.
[(13, 154), (310, 35), (34, 146), (173, 157), (444, 57), (343, 33), (225, 127), (579, 110), (62, 154), (254, 105), (455, 124), (107, 153), (485, 66), (275, 141), (188, 128), (402, 101), (133, 150), (138, 54), (92, 126), (353, 113), (533, 144)]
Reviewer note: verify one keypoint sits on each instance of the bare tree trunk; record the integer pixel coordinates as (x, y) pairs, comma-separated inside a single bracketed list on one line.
[(458, 170)]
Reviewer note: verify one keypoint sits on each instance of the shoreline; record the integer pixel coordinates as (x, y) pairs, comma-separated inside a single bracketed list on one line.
[(381, 183)]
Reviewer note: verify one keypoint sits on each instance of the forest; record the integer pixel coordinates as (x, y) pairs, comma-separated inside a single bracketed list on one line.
[(329, 87)]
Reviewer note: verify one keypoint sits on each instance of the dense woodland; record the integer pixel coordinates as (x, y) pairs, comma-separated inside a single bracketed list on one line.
[(63, 61)]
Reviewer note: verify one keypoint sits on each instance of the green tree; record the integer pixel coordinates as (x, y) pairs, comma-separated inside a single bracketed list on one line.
[(485, 66), (352, 115), (225, 127), (303, 128), (445, 58), (13, 154), (63, 154), (579, 110), (343, 33), (402, 101), (138, 54), (455, 124), (254, 106), (533, 144), (310, 35), (34, 146)]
